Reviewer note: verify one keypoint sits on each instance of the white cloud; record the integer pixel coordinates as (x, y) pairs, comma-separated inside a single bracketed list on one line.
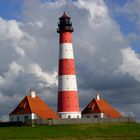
[(130, 64), (10, 30), (42, 76), (98, 12), (19, 51), (9, 76), (21, 45)]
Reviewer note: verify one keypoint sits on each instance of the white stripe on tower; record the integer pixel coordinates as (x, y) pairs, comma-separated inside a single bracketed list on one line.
[(66, 51), (67, 83)]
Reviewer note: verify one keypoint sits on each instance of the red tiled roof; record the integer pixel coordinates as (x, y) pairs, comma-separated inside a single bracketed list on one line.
[(101, 106), (34, 105)]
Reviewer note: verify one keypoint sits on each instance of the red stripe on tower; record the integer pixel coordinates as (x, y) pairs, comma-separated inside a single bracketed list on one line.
[(66, 37), (68, 103), (66, 67)]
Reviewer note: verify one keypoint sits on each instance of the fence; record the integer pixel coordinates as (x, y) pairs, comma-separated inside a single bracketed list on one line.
[(6, 124), (80, 121)]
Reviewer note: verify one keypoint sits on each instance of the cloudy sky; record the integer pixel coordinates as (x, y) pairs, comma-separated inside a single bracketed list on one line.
[(106, 42)]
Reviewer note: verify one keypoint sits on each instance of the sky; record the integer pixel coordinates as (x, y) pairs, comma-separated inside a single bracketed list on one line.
[(106, 43)]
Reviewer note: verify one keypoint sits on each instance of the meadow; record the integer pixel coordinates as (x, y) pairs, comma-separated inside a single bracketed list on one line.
[(106, 131)]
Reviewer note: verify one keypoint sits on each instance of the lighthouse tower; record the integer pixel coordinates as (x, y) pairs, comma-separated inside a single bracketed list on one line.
[(68, 104)]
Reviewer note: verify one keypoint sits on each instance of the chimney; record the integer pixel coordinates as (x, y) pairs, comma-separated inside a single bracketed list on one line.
[(32, 93), (98, 97)]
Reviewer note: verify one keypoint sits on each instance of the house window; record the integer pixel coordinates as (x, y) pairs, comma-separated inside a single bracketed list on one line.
[(69, 116), (25, 118), (12, 119), (95, 116), (87, 116), (22, 110), (18, 118), (90, 110)]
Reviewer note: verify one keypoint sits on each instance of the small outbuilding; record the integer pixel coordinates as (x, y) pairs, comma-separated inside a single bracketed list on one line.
[(30, 108), (99, 108)]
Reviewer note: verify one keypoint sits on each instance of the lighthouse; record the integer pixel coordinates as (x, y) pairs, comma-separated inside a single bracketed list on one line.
[(68, 103)]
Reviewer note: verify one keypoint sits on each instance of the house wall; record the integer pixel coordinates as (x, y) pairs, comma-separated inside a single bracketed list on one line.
[(94, 115), (23, 117)]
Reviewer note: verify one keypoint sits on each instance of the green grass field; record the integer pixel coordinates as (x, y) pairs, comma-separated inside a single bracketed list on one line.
[(122, 131)]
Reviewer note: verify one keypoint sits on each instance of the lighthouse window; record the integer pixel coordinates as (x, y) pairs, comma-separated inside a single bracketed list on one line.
[(67, 21)]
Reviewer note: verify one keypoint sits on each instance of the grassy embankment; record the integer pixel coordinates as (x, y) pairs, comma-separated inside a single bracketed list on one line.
[(122, 131)]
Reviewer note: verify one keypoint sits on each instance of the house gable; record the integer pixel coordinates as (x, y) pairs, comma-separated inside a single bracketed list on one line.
[(22, 108), (92, 107)]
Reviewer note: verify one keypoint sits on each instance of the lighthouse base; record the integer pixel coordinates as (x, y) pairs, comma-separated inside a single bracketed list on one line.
[(69, 115)]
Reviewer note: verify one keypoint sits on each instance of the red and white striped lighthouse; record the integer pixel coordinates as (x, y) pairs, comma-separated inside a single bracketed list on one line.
[(68, 104)]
